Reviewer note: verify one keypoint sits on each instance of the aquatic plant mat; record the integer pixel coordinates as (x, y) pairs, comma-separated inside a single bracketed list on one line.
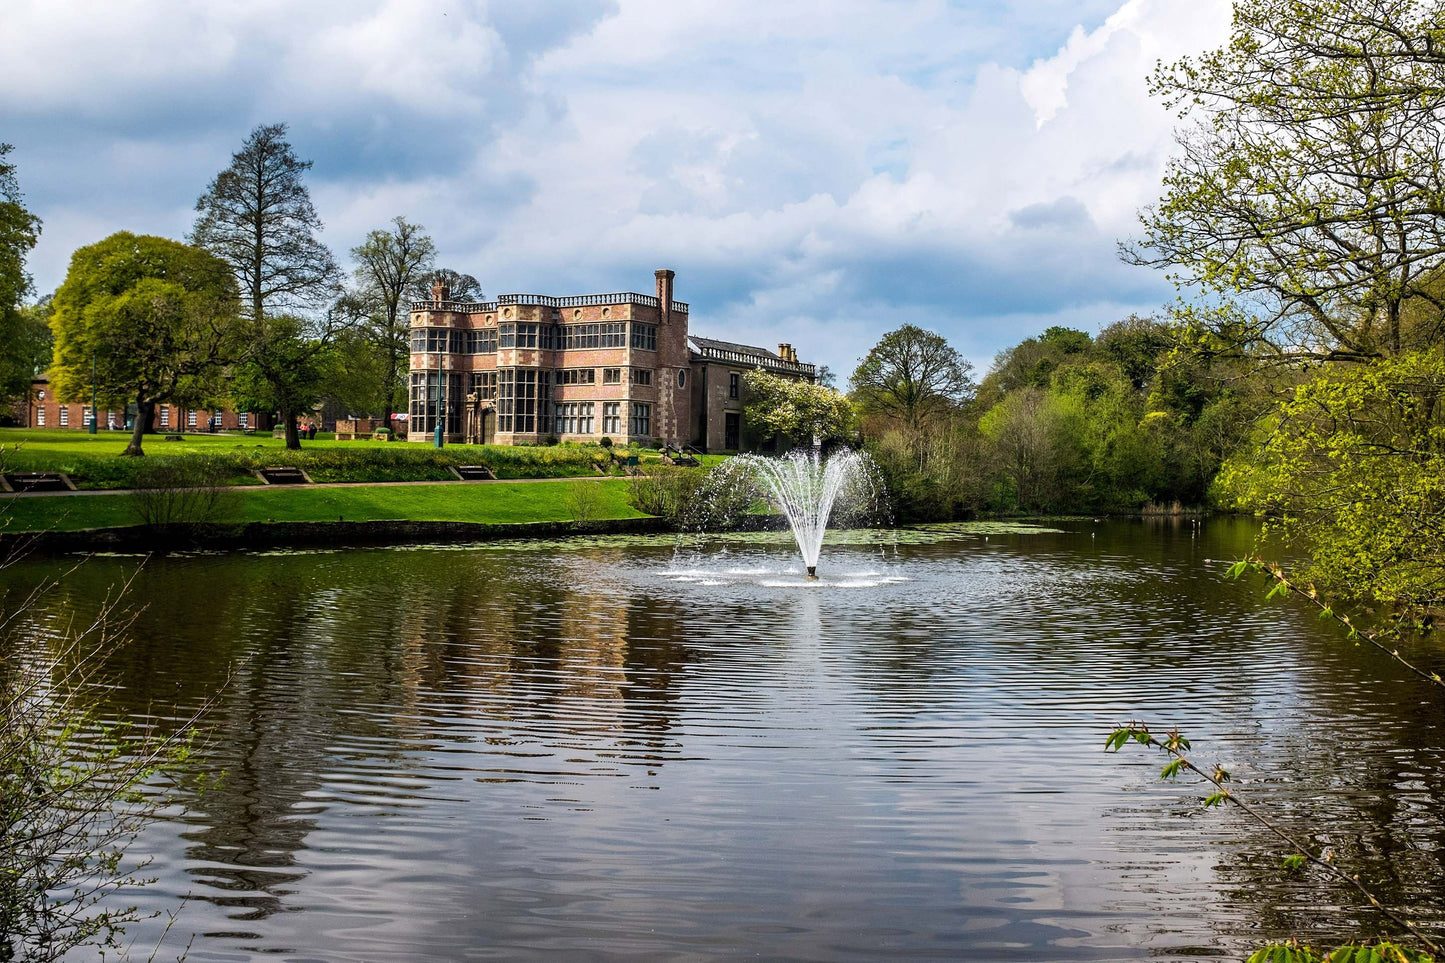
[(907, 535)]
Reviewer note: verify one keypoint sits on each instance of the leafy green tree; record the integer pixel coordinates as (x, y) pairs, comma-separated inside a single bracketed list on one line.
[(1352, 467), (257, 216), (154, 319), (284, 371), (799, 410), (26, 347), (389, 262), (912, 375), (355, 377), (22, 344), (1033, 361), (1306, 196), (1139, 346)]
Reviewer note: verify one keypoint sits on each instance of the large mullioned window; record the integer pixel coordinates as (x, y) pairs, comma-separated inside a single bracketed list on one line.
[(484, 385), (611, 335), (575, 418), (612, 418), (437, 341), (431, 391), (523, 399), (644, 336), (480, 341), (641, 419)]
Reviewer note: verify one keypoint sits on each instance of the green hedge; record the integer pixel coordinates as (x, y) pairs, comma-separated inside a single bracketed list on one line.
[(324, 464)]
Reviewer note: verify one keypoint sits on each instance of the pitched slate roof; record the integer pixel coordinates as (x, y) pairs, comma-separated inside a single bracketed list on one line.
[(711, 349)]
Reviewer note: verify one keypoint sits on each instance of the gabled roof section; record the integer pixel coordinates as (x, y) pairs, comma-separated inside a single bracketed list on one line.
[(711, 349)]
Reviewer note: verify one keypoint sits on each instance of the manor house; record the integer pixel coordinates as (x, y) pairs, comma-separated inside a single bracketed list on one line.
[(529, 367)]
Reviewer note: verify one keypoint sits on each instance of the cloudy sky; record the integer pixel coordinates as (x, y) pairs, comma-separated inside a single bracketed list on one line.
[(815, 172)]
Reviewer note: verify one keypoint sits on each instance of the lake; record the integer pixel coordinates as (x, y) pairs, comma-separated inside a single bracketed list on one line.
[(622, 748)]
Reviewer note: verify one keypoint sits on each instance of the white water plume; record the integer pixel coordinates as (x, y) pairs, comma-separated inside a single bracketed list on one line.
[(810, 490)]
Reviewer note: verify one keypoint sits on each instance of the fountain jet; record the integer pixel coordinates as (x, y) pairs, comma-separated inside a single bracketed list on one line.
[(809, 490)]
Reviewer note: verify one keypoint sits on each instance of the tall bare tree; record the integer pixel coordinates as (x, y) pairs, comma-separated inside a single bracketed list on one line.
[(388, 263), (257, 216), (463, 287)]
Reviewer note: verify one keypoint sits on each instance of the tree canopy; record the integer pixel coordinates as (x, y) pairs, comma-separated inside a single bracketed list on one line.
[(794, 409), (390, 262), (24, 344), (154, 319), (1307, 193), (257, 216), (912, 375)]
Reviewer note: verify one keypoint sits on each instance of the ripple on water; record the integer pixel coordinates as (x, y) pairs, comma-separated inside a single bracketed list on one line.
[(623, 749)]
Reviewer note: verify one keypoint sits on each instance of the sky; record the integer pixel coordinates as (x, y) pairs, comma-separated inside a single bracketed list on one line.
[(817, 173)]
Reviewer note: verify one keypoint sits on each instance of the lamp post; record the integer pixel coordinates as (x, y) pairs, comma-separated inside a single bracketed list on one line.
[(94, 413), (440, 439)]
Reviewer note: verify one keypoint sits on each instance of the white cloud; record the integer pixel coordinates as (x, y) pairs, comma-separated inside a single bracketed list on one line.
[(817, 172)]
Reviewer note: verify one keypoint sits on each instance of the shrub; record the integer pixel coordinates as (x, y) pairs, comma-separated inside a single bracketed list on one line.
[(668, 492), (180, 491), (584, 501)]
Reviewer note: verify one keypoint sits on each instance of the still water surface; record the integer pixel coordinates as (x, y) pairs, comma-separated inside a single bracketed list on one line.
[(618, 750)]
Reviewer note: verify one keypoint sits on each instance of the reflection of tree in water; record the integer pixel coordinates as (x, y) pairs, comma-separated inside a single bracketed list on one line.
[(545, 650), (481, 649)]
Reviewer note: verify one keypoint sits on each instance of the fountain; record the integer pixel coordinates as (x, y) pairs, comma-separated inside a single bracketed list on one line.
[(810, 490)]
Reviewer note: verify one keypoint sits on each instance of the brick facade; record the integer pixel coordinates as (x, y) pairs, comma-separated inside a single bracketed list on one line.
[(528, 368), (42, 410)]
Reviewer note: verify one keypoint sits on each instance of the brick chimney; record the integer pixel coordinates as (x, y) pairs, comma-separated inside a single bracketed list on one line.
[(664, 291)]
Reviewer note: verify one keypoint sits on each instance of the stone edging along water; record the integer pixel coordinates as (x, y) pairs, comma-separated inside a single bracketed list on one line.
[(309, 534)]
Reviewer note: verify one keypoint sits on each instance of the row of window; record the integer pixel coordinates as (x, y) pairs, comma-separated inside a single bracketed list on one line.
[(548, 337), (576, 418), (523, 402), (243, 419)]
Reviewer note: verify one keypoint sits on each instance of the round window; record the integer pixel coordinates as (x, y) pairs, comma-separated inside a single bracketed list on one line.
[(682, 379)]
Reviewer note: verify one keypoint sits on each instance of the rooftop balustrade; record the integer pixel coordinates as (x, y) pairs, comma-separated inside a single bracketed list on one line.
[(542, 300)]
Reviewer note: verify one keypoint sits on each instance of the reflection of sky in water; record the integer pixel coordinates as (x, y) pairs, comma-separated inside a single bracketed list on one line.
[(639, 748)]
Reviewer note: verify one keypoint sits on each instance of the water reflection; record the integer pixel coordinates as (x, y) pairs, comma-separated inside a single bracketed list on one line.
[(614, 750)]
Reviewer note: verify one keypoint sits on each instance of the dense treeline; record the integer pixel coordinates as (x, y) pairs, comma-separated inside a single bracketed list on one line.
[(1064, 422)]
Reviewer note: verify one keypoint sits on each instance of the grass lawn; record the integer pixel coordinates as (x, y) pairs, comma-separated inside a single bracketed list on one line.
[(548, 501)]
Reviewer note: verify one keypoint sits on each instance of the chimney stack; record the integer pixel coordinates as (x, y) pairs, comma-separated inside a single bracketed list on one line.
[(664, 291), (782, 351)]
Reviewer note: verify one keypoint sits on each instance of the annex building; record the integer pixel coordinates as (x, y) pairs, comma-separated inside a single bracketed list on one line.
[(526, 368)]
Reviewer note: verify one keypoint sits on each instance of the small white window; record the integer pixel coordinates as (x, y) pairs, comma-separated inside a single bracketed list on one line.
[(190, 417), (165, 416), (40, 417), (244, 420), (86, 416), (65, 416)]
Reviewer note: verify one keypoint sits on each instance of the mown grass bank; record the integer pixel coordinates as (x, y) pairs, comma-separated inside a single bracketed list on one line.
[(94, 462), (488, 503)]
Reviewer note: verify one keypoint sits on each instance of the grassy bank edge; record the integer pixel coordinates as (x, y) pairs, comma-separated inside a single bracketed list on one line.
[(493, 504)]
